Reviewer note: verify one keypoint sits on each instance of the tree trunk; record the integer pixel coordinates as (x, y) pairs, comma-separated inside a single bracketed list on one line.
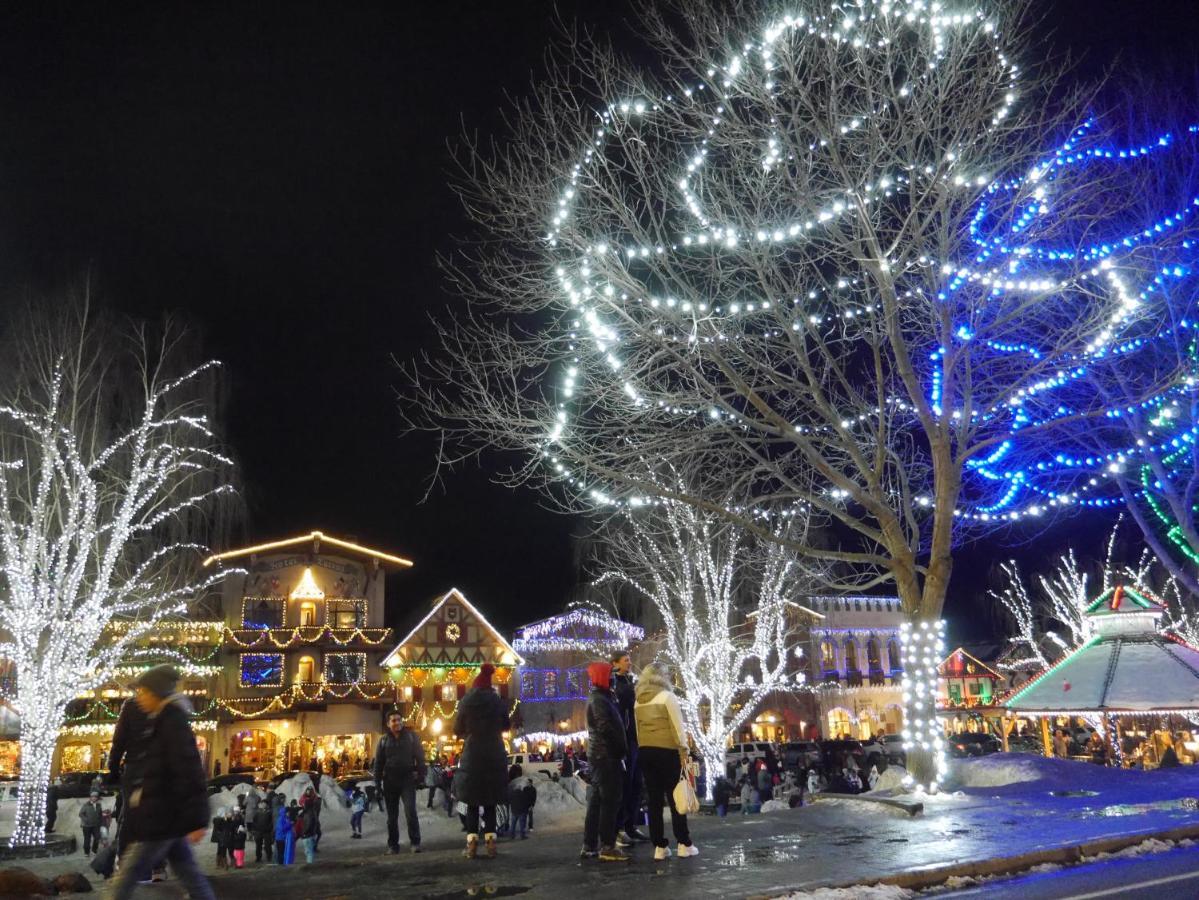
[(39, 735), (714, 767), (923, 644)]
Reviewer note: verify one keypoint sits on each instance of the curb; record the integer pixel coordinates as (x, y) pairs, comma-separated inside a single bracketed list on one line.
[(932, 876), (911, 807)]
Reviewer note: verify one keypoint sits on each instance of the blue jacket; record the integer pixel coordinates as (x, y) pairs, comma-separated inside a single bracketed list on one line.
[(282, 824)]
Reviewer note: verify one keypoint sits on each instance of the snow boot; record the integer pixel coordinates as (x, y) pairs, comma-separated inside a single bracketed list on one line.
[(490, 843), (472, 846)]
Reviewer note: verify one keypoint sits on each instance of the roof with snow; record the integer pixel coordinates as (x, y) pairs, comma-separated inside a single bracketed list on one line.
[(1128, 665)]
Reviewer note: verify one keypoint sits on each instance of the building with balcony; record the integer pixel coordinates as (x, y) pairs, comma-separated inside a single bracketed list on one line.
[(432, 668), (854, 662), (303, 637)]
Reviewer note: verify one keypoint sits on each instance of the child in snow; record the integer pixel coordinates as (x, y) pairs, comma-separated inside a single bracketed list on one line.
[(813, 780), (220, 837), (284, 841), (747, 797), (237, 839), (872, 778), (357, 811)]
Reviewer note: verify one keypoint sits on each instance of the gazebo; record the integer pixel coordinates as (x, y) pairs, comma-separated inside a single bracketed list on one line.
[(1127, 668)]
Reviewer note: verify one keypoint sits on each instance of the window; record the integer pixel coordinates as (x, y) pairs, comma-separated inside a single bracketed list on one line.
[(345, 613), (955, 691), (344, 668), (307, 615), (528, 684), (828, 656), (550, 685), (449, 692), (574, 683), (972, 688), (261, 670), (851, 654), (306, 670), (873, 655), (346, 618), (262, 612), (895, 657)]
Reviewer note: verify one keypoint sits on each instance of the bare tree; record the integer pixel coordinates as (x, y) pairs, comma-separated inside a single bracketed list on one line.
[(826, 260), (722, 597), (108, 460)]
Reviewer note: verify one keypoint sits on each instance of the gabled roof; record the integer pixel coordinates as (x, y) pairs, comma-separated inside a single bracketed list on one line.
[(453, 594), (315, 538), (961, 650)]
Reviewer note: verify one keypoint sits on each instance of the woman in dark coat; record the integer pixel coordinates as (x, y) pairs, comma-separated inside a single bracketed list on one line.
[(481, 779)]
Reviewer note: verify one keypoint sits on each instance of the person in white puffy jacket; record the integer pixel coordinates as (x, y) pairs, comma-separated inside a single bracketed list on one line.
[(663, 753)]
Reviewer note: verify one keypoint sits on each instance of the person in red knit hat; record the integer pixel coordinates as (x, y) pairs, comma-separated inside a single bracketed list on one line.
[(607, 747), (482, 776)]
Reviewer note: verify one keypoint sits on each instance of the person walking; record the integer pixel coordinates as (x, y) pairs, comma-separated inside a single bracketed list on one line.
[(263, 827), (482, 776), (167, 806), (90, 815), (432, 779), (662, 742), (765, 785), (399, 768), (357, 811), (624, 689), (608, 745)]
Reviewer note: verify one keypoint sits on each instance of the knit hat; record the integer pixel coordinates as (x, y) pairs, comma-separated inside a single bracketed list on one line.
[(600, 674), (483, 680), (160, 680)]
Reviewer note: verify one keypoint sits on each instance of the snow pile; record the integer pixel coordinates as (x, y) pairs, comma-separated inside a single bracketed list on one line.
[(555, 800), (892, 779), (775, 806), (576, 787), (999, 769), (1149, 845), (227, 798), (857, 892), (332, 796)]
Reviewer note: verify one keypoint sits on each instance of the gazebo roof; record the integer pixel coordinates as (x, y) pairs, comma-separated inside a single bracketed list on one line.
[(1129, 665)]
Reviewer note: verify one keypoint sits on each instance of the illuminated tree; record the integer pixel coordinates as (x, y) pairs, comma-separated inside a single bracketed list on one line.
[(793, 264), (105, 456), (722, 598)]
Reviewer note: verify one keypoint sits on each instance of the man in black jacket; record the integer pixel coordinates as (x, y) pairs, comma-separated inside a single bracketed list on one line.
[(624, 689), (399, 768), (167, 807), (607, 745)]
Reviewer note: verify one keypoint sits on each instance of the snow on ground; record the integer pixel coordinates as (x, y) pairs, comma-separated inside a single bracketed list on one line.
[(1001, 774), (857, 892)]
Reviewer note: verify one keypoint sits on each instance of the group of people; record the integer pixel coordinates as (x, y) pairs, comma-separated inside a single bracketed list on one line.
[(635, 732), (275, 826)]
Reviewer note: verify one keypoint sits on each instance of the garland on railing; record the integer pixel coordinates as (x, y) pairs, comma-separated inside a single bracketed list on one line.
[(282, 638)]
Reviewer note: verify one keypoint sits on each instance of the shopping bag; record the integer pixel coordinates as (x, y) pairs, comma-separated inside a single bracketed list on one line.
[(102, 862), (685, 800)]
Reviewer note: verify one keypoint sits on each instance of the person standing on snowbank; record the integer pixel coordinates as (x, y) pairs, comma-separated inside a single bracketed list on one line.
[(481, 779), (167, 808)]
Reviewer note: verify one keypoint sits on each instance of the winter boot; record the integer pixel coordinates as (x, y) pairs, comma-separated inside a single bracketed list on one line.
[(613, 854), (472, 846), (490, 842)]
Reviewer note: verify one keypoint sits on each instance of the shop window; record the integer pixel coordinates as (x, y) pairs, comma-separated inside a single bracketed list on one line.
[(261, 670), (262, 612), (345, 668), (306, 670), (77, 757)]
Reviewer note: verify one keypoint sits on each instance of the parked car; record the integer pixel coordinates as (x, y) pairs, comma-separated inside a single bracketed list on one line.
[(738, 752), (528, 766), (224, 782), (349, 780), (972, 744), (79, 784), (798, 755), (834, 753), (1025, 743)]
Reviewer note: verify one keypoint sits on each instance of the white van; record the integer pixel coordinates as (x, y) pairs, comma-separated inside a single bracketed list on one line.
[(752, 751), (548, 769)]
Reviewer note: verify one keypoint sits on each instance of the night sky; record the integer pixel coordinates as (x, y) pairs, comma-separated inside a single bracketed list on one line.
[(277, 172)]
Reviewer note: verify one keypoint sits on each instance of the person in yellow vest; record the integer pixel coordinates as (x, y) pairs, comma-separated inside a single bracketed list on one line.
[(663, 754)]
